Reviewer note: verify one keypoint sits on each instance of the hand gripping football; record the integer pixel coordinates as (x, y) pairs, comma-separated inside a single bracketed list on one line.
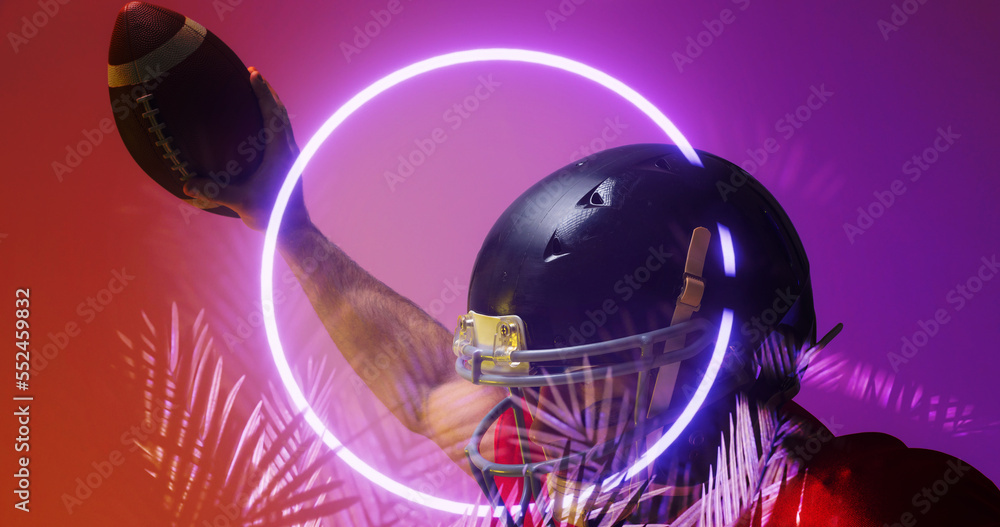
[(182, 101)]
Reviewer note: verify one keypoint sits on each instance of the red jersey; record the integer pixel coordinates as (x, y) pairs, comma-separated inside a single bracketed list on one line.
[(867, 479)]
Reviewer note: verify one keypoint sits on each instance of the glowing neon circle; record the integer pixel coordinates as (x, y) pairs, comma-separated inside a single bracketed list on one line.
[(338, 117)]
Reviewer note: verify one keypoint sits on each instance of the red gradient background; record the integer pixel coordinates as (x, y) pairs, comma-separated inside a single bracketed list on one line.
[(64, 239)]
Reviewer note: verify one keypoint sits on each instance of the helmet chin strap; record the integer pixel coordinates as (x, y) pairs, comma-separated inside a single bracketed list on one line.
[(688, 302), (563, 489)]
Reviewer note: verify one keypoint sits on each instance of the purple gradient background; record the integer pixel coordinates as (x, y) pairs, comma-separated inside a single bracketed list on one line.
[(939, 69)]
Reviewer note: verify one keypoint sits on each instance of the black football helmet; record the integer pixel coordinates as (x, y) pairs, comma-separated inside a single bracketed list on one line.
[(634, 262)]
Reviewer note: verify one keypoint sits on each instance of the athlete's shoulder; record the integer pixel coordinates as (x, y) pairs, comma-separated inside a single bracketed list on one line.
[(874, 479)]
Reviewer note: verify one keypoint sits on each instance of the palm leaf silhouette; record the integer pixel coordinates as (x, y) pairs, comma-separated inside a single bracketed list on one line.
[(215, 451)]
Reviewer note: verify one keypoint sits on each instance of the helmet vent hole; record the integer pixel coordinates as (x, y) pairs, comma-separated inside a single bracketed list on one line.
[(662, 164), (606, 194), (554, 249)]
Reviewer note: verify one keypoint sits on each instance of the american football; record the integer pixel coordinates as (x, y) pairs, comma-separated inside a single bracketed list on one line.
[(182, 101)]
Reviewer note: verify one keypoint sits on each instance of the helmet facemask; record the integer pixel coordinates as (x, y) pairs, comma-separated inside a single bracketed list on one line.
[(582, 426), (585, 304)]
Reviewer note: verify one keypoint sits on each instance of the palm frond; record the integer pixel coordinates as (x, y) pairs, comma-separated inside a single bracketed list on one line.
[(205, 458), (889, 391)]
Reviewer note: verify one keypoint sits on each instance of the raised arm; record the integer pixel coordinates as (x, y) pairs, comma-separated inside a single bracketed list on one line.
[(365, 318), (402, 353)]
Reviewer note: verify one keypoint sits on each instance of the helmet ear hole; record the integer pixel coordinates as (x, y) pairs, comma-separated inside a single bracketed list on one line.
[(596, 199)]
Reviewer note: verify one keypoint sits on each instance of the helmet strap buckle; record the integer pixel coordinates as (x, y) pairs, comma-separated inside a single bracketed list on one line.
[(688, 302)]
